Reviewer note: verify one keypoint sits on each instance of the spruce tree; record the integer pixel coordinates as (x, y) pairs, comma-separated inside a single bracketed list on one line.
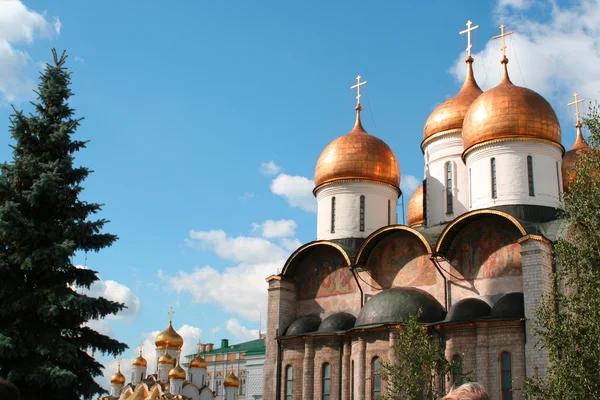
[(46, 347), (569, 318)]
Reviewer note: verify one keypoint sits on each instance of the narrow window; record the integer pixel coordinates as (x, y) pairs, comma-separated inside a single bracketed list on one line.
[(352, 381), (217, 387), (362, 213), (530, 175), (289, 380), (506, 375), (457, 370), (494, 183), (558, 178), (326, 382), (243, 387), (449, 199), (389, 212), (333, 215), (470, 190), (375, 379)]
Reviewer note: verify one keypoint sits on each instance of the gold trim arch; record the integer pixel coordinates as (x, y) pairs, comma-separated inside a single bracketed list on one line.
[(458, 222), (310, 245), (379, 234)]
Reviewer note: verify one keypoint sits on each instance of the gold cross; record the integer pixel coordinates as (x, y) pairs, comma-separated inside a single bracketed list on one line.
[(171, 315), (502, 35), (468, 32), (576, 103), (119, 362), (357, 87), (141, 347)]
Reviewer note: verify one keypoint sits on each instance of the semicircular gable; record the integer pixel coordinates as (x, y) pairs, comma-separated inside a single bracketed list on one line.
[(374, 238), (297, 256)]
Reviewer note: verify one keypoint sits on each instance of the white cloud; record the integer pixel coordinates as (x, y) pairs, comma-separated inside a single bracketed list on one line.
[(56, 24), (247, 196), (297, 190), (408, 184), (555, 56), (276, 229), (78, 59), (101, 326), (18, 24), (115, 291), (269, 168), (241, 332), (290, 244)]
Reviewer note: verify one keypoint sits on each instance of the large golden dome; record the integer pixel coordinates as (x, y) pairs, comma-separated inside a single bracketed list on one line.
[(359, 156), (414, 210), (169, 336), (449, 116), (509, 112), (231, 380), (198, 362), (570, 159)]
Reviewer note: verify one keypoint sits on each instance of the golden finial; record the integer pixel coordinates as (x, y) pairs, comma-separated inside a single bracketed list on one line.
[(576, 103), (141, 347), (468, 32), (357, 87), (171, 312), (502, 35), (119, 363)]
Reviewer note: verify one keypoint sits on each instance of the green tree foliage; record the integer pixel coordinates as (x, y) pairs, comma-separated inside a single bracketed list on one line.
[(569, 319), (419, 366), (45, 345)]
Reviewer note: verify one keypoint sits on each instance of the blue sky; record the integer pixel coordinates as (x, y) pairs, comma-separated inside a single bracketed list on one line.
[(206, 120)]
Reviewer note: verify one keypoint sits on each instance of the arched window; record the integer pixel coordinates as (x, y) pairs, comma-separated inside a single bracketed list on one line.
[(470, 189), (375, 378), (457, 370), (333, 215), (326, 381), (558, 178), (494, 182), (217, 387), (530, 175), (289, 379), (506, 375), (362, 213), (389, 211), (242, 386), (449, 199)]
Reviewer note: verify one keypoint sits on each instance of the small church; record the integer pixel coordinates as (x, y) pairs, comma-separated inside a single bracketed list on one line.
[(475, 254)]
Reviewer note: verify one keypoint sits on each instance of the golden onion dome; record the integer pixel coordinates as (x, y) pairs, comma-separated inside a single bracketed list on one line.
[(570, 158), (198, 362), (510, 112), (414, 210), (177, 372), (118, 378), (139, 360), (166, 359), (231, 380), (169, 336), (448, 117), (357, 156)]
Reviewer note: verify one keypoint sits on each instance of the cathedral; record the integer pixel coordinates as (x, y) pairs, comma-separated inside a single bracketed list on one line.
[(475, 255), (170, 381)]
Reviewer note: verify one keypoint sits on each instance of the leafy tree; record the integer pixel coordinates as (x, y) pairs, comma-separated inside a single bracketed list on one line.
[(45, 344), (569, 318), (419, 365)]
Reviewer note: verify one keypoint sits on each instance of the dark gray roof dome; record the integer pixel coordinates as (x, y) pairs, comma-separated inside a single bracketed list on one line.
[(468, 309), (397, 304), (341, 321), (303, 325), (511, 305)]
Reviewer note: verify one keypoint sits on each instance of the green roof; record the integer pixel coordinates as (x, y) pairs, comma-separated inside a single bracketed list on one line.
[(253, 347)]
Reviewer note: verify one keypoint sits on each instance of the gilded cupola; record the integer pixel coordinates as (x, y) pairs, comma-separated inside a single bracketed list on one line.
[(140, 361), (177, 372), (414, 210), (166, 359), (231, 380), (118, 378), (198, 362), (357, 156), (169, 336), (570, 157)]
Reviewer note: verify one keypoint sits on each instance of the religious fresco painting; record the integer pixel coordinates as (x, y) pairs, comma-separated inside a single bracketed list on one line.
[(486, 249), (401, 259), (324, 272)]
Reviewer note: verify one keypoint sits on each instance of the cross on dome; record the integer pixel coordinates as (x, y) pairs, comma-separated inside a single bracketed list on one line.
[(357, 87), (502, 35), (468, 32), (171, 312), (576, 103)]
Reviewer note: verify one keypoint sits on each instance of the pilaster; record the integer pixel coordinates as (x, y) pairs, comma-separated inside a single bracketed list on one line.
[(308, 369)]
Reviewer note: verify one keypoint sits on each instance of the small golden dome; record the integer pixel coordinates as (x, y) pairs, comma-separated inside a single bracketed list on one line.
[(166, 359), (170, 336), (139, 360), (414, 210), (570, 159), (198, 362), (509, 112), (177, 372), (118, 378), (450, 115), (357, 155), (231, 380)]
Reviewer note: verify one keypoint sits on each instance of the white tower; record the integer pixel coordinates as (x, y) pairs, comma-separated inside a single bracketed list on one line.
[(117, 381), (138, 368), (446, 178), (231, 385), (165, 364), (176, 377), (197, 370), (357, 184)]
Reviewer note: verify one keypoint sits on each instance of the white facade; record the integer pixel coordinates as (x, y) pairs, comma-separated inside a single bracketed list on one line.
[(441, 155), (512, 174), (255, 377), (197, 376), (138, 373), (115, 390), (176, 386), (339, 209)]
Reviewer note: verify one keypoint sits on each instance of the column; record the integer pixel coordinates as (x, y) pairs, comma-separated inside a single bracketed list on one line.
[(308, 369), (345, 373), (483, 357), (360, 373)]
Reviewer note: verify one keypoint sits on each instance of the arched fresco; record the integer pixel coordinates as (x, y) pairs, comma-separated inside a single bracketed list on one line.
[(323, 272), (486, 248), (401, 259)]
